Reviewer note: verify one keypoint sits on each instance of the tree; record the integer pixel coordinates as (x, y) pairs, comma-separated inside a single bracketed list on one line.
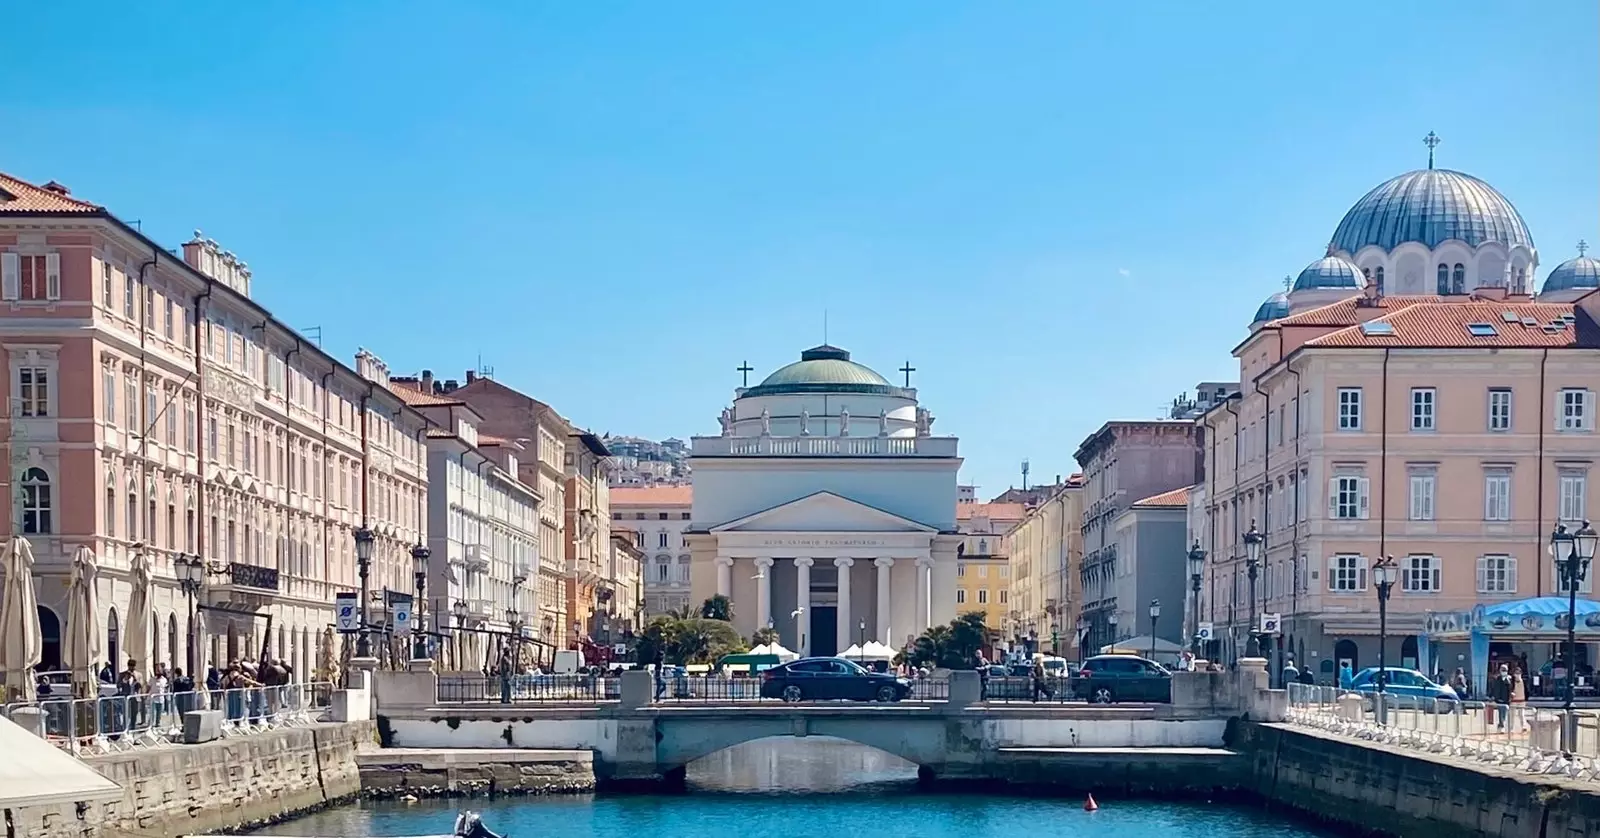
[(717, 607), (953, 646), (686, 640), (763, 636)]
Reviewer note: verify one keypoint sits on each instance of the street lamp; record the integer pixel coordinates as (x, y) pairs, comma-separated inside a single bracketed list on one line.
[(458, 611), (1111, 621), (861, 654), (1252, 565), (191, 576), (1572, 553), (514, 620), (1384, 575), (363, 565), (419, 567), (1155, 614), (1055, 638), (1197, 570)]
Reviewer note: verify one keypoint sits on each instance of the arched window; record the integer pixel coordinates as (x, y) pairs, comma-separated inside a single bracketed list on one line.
[(131, 517), (150, 521), (1377, 278), (113, 634), (983, 546), (1522, 281), (188, 524), (49, 640), (1444, 279), (1458, 279), (36, 517), (172, 525), (172, 641)]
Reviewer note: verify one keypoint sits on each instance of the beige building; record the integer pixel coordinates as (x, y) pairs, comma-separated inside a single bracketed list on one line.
[(1044, 550), (657, 516), (591, 562), (983, 569)]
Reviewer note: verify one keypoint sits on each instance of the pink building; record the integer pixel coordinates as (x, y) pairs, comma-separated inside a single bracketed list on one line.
[(156, 408), (1451, 428)]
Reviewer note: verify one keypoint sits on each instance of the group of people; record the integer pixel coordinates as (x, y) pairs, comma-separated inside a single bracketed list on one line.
[(129, 700)]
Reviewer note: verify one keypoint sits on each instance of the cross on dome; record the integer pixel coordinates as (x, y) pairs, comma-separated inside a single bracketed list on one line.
[(1583, 247), (1432, 142)]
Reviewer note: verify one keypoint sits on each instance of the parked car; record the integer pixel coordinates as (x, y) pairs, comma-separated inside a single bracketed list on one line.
[(813, 679), (1105, 679), (1412, 689)]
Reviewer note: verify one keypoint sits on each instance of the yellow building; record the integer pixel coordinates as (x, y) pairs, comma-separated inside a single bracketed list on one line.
[(983, 572), (1043, 550)]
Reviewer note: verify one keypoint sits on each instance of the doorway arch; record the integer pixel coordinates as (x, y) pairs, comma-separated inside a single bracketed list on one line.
[(113, 638), (49, 640), (1345, 650)]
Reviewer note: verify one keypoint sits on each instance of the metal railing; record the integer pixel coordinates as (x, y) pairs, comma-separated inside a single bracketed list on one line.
[(721, 689), (114, 724), (473, 688), (1509, 735)]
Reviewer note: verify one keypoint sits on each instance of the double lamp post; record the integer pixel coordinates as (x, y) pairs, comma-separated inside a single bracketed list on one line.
[(1572, 553)]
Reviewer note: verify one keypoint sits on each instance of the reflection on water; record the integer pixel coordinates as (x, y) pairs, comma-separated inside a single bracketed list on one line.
[(809, 764)]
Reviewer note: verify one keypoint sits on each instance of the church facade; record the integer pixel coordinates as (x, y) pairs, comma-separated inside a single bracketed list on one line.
[(826, 508)]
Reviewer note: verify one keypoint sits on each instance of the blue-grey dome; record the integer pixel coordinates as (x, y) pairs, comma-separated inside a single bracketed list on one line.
[(1578, 272), (1276, 307), (1431, 206), (1329, 272)]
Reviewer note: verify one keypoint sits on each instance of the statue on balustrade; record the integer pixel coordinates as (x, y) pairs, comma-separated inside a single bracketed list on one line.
[(766, 422), (805, 422), (844, 421), (883, 423)]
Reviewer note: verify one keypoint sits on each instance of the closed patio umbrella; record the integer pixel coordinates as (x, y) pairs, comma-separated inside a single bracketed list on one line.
[(81, 645), (20, 643), (137, 625)]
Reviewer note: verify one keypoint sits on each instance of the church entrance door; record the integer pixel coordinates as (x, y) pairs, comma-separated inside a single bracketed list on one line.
[(824, 630)]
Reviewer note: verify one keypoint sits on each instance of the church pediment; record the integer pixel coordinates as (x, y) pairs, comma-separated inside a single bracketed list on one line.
[(824, 512)]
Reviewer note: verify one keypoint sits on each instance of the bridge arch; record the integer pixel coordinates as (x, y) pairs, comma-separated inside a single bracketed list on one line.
[(919, 741)]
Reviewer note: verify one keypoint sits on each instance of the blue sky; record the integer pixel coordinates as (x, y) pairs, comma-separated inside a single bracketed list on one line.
[(1061, 213)]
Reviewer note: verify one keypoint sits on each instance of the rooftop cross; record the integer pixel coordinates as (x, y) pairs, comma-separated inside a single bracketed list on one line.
[(1582, 246), (908, 370), (1288, 282), (744, 369), (1431, 141)]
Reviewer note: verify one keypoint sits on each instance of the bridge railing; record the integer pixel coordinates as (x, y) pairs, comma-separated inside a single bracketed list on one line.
[(473, 688)]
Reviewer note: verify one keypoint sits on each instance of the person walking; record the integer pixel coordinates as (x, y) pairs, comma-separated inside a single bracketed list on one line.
[(661, 672), (1291, 674), (982, 665), (1500, 687), (1039, 685)]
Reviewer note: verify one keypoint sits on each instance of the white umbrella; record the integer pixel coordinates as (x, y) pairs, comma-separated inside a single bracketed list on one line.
[(82, 642), (137, 625), (20, 646)]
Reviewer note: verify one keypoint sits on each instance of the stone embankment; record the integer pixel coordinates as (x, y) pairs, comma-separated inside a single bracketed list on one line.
[(425, 772)]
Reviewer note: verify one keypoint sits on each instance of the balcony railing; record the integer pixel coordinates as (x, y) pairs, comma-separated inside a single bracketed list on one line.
[(824, 446)]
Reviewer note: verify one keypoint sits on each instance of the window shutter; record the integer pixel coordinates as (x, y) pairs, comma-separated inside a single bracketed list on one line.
[(1333, 566), (1511, 575), (1588, 410), (1361, 573), (1438, 574), (1483, 574), (1560, 397), (1363, 490), (52, 276), (1333, 498), (10, 276)]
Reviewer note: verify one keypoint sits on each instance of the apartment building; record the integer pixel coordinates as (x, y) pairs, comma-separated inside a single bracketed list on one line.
[(657, 517)]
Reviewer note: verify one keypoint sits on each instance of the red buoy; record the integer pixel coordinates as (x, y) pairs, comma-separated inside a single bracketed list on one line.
[(1089, 805)]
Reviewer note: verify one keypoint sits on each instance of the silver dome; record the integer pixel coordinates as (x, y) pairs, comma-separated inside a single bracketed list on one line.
[(1431, 206)]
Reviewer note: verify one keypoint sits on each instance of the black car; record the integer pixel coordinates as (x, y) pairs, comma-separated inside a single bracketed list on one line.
[(813, 679), (1108, 678)]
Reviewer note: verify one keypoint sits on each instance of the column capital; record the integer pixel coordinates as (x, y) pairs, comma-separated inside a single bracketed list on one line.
[(925, 561), (844, 562), (804, 561), (724, 561), (763, 562), (883, 561)]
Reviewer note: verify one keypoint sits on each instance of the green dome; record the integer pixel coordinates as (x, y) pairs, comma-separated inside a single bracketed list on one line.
[(824, 369)]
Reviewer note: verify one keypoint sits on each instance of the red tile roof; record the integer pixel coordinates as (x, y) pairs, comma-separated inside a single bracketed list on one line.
[(20, 197), (1352, 310), (1176, 497), (411, 393), (1444, 325), (652, 496), (992, 511)]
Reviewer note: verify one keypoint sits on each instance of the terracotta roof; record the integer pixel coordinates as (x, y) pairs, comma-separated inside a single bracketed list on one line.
[(411, 393), (992, 511), (652, 496), (1445, 325), (1352, 310), (1176, 497), (440, 433), (485, 439), (21, 197)]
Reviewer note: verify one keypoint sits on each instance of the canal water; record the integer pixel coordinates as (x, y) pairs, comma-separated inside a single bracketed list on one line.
[(801, 788)]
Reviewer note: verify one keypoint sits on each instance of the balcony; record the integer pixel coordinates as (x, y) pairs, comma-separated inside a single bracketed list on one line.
[(482, 609), (824, 446), (477, 556)]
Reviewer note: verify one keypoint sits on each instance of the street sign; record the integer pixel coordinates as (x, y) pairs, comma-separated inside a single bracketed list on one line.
[(1205, 632), (401, 610), (348, 613), (1271, 623)]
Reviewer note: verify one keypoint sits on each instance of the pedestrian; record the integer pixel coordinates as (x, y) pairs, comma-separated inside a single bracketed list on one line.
[(1346, 676), (183, 692), (1039, 686), (661, 672), (1519, 699), (1291, 673), (982, 665), (1458, 682), (1308, 677), (1500, 687)]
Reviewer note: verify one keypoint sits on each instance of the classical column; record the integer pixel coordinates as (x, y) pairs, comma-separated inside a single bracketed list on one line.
[(725, 575), (802, 603), (847, 628), (763, 592), (885, 634), (924, 594)]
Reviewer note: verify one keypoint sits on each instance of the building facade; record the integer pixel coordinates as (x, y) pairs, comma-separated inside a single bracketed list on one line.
[(826, 508), (658, 517), (1045, 550), (158, 410), (592, 577), (1152, 568), (1124, 462), (983, 567)]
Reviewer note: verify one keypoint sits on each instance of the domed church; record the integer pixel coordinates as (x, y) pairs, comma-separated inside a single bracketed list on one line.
[(1429, 232), (825, 507)]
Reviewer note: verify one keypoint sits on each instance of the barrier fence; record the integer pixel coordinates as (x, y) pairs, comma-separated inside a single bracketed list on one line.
[(114, 724), (1510, 735)]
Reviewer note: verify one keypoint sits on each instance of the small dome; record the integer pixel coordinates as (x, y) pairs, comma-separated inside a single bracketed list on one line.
[(1431, 206), (1329, 272), (823, 369), (1275, 307), (1578, 272)]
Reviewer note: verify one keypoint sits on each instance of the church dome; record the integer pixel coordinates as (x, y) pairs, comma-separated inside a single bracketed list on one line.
[(1275, 307), (1431, 206), (1579, 272), (1329, 272), (823, 369)]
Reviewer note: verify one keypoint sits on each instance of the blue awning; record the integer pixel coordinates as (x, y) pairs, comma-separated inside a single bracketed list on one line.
[(1533, 618)]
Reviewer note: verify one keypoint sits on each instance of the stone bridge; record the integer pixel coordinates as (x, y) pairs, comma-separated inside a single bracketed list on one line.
[(634, 740)]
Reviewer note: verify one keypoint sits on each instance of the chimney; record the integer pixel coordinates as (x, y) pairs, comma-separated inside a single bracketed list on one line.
[(471, 376), (426, 384), (57, 188), (451, 384)]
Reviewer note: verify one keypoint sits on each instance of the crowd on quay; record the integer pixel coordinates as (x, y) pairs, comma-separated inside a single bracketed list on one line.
[(130, 700)]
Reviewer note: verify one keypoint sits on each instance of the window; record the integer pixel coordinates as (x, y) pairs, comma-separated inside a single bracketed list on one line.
[(1347, 573), (1349, 408), (1347, 497), (127, 296), (1497, 495), (36, 502), (1573, 410), (1377, 279), (661, 572), (983, 549), (983, 571), (211, 437), (151, 406), (188, 425), (130, 387), (1422, 408), (1499, 409), (31, 276), (1458, 279), (1497, 575), (661, 539), (961, 571), (1003, 593), (1573, 491), (1423, 484), (983, 596), (149, 307), (107, 297), (108, 392), (111, 507), (172, 418), (961, 596), (33, 391), (661, 515), (170, 318), (1443, 284), (1421, 574)]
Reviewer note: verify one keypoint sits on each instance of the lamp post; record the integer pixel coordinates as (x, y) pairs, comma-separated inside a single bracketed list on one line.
[(1384, 574), (1155, 614), (363, 538), (458, 614), (1252, 566), (1197, 570), (861, 653), (1572, 554), (419, 568), (191, 575), (1055, 638), (514, 620), (1111, 623)]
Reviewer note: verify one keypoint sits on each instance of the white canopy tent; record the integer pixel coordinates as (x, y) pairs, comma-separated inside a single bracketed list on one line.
[(775, 649), (873, 651), (36, 773), (1142, 646)]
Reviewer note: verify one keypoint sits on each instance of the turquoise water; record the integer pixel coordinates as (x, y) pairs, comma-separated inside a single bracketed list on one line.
[(807, 788)]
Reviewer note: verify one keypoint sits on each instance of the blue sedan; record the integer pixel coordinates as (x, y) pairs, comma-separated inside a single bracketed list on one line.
[(1410, 687)]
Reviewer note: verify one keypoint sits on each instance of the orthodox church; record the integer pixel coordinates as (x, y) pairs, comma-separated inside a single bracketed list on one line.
[(825, 508)]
